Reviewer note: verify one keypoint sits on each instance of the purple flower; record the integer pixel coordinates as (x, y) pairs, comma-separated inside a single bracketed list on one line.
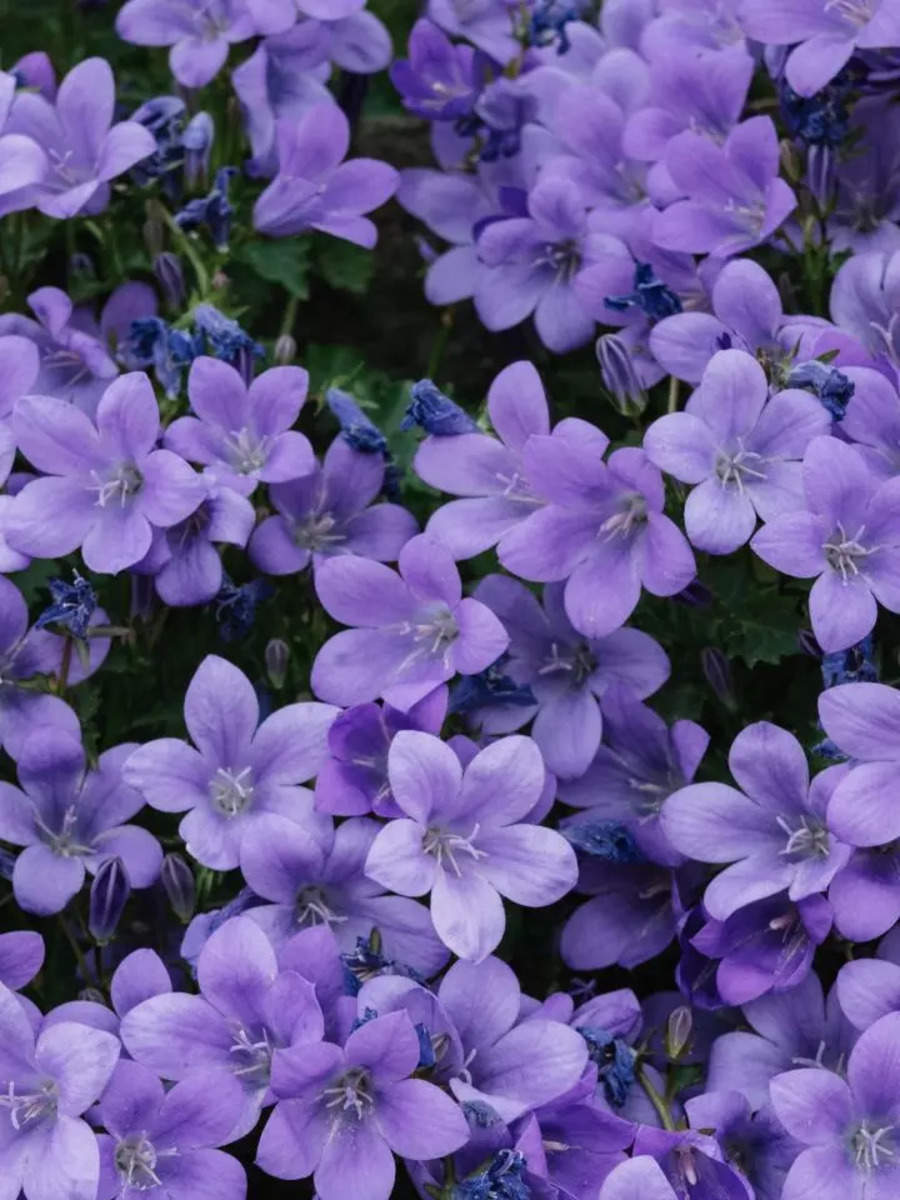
[(247, 1014), (237, 771), (84, 149), (23, 163), (867, 989), (827, 34), (867, 200), (70, 820), (568, 674), (24, 654), (774, 831), (865, 304), (244, 433), (756, 1145), (487, 471), (461, 841), (692, 1163), (487, 24), (354, 780), (312, 874), (161, 1144), (848, 1126), (48, 1079), (737, 448), (439, 80), (19, 365), (735, 198), (198, 32), (315, 189), (105, 486), (603, 531), (872, 420), (344, 1110), (21, 957), (414, 630), (329, 512), (748, 316), (848, 537), (639, 1178)]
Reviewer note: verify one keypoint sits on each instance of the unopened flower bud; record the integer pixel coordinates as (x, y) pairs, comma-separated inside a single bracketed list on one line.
[(695, 595), (791, 165), (820, 174), (285, 350), (678, 1031), (81, 266), (277, 655), (619, 375), (92, 995), (197, 141), (178, 881), (109, 895), (717, 673), (167, 269), (808, 643)]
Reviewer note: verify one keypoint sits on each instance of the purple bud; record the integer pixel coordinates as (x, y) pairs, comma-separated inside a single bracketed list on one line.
[(81, 266), (178, 881), (109, 895), (277, 655), (285, 350), (695, 595), (167, 268), (92, 995), (820, 174), (678, 1031), (197, 140), (808, 643), (619, 375), (717, 672), (7, 863)]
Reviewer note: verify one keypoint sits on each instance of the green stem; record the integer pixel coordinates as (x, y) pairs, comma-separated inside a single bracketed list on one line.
[(672, 405), (440, 343), (76, 949), (65, 664), (290, 316), (659, 1104), (184, 243)]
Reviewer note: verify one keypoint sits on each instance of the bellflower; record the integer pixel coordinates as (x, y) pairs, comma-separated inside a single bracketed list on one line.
[(873, 420), (603, 531), (21, 957), (485, 23), (461, 840), (735, 198), (19, 365), (755, 1146), (868, 989), (639, 1178), (414, 630), (568, 674), (865, 303), (105, 486), (848, 1126), (315, 189), (49, 1080), (244, 433), (827, 34), (237, 771), (774, 831), (737, 448), (692, 1162), (848, 538), (439, 80), (344, 1110), (70, 820), (85, 150), (199, 33), (867, 200), (23, 162), (162, 1144), (329, 512)]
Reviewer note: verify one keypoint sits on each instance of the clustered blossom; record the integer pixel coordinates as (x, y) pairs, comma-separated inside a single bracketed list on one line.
[(447, 756)]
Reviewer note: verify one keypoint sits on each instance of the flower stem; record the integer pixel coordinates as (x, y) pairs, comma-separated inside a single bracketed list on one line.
[(659, 1104)]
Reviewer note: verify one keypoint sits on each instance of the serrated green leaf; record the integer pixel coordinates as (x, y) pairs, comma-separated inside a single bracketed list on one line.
[(345, 266), (285, 261)]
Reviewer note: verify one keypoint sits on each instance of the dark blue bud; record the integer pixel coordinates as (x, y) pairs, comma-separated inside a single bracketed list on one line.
[(615, 1062), (369, 1014), (831, 386), (236, 606), (169, 275), (855, 665), (426, 1049), (223, 337), (650, 295), (436, 413), (603, 839), (356, 428), (490, 688), (73, 606), (110, 890), (180, 887), (479, 1114)]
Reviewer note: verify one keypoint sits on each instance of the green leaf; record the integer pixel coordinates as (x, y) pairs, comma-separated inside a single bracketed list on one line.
[(285, 261), (344, 266)]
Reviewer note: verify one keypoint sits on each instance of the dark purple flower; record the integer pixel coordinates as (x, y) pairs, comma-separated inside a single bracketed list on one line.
[(439, 80)]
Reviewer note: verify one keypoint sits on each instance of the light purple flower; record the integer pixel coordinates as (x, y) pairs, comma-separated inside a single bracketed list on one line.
[(105, 486), (237, 771), (603, 531), (738, 447), (315, 189), (868, 989), (461, 841), (865, 304), (640, 1178), (848, 537), (160, 1144), (70, 819), (21, 957), (85, 151), (439, 80), (827, 34), (774, 831), (735, 198), (198, 32), (329, 512), (48, 1080), (872, 420), (244, 433), (568, 674), (414, 630), (23, 162), (19, 365), (487, 24), (344, 1110)]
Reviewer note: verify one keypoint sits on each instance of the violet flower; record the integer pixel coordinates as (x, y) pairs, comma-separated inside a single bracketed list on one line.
[(414, 630), (603, 531), (315, 189), (329, 512), (85, 151), (23, 162), (848, 538), (70, 819), (865, 298), (21, 957), (638, 1178), (244, 433), (485, 23), (567, 674), (19, 366), (737, 448), (439, 81), (105, 486), (50, 1077), (198, 32), (237, 771), (461, 841)]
